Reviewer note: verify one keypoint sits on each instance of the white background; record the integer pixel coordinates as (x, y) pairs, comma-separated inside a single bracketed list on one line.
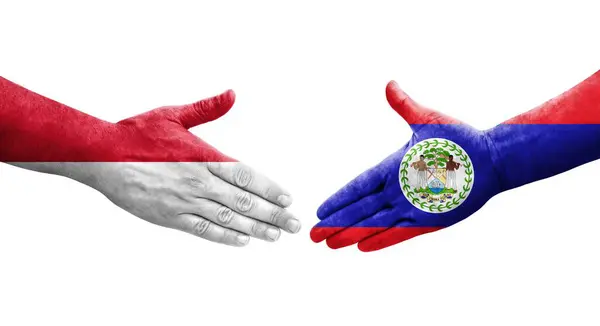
[(311, 112)]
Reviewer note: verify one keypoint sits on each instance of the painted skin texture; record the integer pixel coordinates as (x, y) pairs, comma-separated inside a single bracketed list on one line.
[(150, 165), (36, 129), (372, 211)]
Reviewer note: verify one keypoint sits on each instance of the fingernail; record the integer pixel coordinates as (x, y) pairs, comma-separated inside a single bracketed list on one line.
[(284, 200), (273, 234), (243, 239), (293, 225)]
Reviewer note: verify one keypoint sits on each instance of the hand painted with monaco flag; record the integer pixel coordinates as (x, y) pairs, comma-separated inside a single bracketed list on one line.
[(448, 170), (150, 165)]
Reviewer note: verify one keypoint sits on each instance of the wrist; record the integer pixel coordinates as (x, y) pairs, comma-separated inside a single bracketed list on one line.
[(555, 137), (37, 129), (495, 158), (91, 174)]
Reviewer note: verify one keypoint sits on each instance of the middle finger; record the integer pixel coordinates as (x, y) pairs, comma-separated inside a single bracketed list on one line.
[(253, 206), (226, 217)]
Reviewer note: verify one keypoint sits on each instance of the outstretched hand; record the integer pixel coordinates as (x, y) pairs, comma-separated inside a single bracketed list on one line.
[(391, 203), (153, 167)]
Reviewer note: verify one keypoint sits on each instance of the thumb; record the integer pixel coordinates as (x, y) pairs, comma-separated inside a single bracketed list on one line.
[(191, 115), (412, 112)]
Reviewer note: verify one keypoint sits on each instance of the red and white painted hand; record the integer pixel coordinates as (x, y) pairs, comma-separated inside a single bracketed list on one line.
[(150, 165)]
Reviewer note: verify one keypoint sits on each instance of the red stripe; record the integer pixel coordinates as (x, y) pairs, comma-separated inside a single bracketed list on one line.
[(393, 236), (351, 236), (36, 129), (319, 234), (371, 238), (579, 105)]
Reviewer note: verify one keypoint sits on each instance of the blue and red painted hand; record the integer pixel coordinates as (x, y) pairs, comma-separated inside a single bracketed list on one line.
[(448, 170)]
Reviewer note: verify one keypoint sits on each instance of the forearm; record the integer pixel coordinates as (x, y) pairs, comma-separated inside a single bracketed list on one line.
[(36, 129), (559, 135)]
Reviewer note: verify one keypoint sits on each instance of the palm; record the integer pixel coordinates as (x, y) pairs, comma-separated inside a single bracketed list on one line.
[(427, 185)]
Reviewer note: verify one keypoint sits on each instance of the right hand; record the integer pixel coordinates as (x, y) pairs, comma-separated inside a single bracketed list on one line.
[(225, 202), (153, 167)]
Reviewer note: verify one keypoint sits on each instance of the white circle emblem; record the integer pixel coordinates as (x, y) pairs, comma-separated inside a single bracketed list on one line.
[(436, 175)]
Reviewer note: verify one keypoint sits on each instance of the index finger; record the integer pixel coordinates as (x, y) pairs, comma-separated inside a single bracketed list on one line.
[(362, 186), (244, 177)]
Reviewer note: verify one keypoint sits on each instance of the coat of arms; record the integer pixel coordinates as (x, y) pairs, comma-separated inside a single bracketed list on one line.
[(436, 175)]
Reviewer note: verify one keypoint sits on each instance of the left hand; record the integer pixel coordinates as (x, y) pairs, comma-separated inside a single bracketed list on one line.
[(381, 207)]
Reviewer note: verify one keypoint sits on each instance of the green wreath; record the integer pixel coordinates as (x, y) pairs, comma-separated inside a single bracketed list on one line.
[(432, 151)]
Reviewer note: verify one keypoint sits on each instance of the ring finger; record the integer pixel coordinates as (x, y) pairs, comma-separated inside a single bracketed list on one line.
[(226, 217), (253, 206), (203, 228)]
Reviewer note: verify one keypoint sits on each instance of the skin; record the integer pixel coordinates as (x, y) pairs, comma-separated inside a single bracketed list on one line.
[(224, 202), (420, 164), (372, 210), (451, 166), (150, 165)]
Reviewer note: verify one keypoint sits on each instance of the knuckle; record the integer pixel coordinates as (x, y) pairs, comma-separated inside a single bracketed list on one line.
[(258, 229), (200, 185), (267, 192), (199, 109), (214, 167), (197, 183), (242, 176), (276, 215), (201, 228), (244, 202), (224, 215)]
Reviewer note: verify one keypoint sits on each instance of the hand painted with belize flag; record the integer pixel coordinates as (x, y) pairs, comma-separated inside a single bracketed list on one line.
[(448, 170), (150, 165)]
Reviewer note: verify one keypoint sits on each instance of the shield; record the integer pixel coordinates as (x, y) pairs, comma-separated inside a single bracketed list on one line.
[(436, 179)]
